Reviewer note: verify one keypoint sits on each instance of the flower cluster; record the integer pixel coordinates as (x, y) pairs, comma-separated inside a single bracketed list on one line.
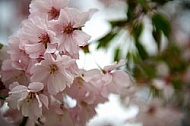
[(44, 81)]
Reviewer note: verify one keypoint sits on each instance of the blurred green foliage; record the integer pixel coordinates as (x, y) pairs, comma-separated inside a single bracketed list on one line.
[(144, 64)]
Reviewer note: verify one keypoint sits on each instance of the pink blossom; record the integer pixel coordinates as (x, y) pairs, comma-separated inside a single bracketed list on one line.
[(12, 115), (17, 55), (27, 99), (57, 115), (81, 90), (37, 39), (50, 7), (108, 81), (69, 32), (55, 72), (116, 80), (82, 113), (95, 77), (10, 73)]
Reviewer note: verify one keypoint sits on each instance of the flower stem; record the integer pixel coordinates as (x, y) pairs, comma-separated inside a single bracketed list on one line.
[(24, 121)]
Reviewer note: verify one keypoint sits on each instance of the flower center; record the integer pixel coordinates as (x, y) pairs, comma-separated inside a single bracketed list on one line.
[(44, 38), (19, 75), (53, 68), (151, 110), (31, 96), (53, 13), (69, 29)]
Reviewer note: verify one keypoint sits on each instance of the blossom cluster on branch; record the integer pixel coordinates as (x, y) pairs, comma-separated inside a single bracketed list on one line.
[(42, 78), (41, 83)]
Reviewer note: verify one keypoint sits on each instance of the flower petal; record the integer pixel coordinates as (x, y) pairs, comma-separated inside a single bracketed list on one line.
[(36, 86)]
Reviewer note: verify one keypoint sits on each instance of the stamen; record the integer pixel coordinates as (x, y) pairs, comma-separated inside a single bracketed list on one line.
[(53, 68), (44, 38), (69, 29), (31, 96), (151, 110), (53, 13)]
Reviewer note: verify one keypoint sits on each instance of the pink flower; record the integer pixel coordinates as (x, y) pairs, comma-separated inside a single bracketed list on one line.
[(55, 72), (57, 115), (69, 32), (116, 80), (108, 81), (82, 113), (50, 7), (17, 55), (37, 39), (84, 91), (27, 99), (9, 74)]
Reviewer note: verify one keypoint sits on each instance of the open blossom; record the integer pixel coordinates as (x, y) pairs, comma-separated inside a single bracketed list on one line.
[(82, 112), (17, 55), (81, 90), (37, 39), (68, 29), (42, 61), (117, 80), (27, 99), (10, 73), (55, 72), (50, 7), (108, 81), (57, 115)]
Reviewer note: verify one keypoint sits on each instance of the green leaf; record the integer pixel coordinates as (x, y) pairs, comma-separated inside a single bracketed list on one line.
[(105, 41), (24, 121), (141, 50), (85, 49), (161, 23), (131, 9), (137, 30), (157, 37), (117, 54), (144, 4), (119, 23)]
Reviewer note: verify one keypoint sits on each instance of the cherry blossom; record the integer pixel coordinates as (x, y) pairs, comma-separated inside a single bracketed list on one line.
[(50, 7), (27, 99), (18, 56), (116, 80), (41, 72), (54, 72), (10, 74), (37, 39), (68, 29)]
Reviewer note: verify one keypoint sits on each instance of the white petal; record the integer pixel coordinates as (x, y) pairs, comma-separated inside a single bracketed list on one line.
[(36, 86), (44, 99)]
